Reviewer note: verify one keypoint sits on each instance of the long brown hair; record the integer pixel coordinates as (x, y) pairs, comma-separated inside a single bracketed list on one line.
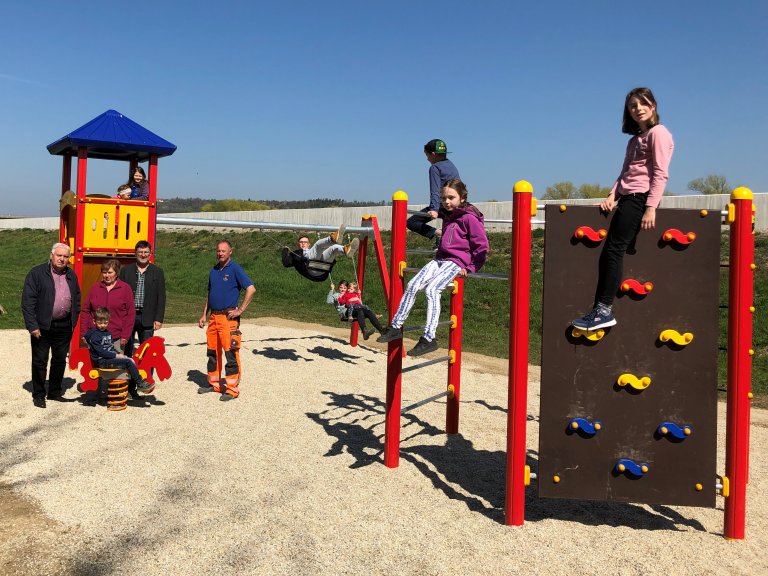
[(629, 126)]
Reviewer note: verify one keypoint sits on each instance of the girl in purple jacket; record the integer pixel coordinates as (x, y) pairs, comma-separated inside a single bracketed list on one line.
[(139, 185), (635, 195), (463, 249)]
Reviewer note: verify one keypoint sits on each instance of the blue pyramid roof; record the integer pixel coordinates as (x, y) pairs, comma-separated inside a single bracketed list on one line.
[(112, 136)]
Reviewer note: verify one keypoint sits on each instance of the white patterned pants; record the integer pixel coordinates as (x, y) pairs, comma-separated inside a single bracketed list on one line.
[(433, 279)]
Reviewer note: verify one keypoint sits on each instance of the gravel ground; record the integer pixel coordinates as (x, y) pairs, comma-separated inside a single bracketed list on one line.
[(288, 479)]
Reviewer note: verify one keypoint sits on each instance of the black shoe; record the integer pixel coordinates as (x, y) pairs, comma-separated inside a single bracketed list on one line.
[(423, 346), (390, 334), (226, 397), (368, 332), (56, 397), (206, 390), (39, 402)]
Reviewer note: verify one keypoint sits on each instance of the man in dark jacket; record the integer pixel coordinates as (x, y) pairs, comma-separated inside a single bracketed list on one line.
[(50, 303), (148, 284)]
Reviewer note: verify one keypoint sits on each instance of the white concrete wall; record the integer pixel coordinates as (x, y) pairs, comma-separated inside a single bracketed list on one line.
[(353, 216)]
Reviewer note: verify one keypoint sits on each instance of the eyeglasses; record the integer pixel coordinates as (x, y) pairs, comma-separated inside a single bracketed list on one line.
[(143, 253)]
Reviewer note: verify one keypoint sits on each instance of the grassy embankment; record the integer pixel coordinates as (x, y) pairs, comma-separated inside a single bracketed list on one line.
[(187, 256)]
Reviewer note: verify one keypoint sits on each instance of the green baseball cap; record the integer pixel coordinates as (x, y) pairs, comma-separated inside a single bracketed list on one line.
[(436, 146)]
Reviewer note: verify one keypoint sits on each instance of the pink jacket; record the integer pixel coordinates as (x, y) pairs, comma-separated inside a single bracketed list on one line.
[(119, 301), (646, 165)]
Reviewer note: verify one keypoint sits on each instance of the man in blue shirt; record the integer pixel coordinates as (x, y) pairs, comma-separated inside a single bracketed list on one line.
[(441, 170), (225, 282)]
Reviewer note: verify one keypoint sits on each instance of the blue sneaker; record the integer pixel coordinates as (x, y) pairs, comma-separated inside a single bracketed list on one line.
[(600, 317)]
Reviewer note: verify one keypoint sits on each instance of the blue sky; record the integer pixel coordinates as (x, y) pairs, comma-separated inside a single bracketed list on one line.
[(301, 100)]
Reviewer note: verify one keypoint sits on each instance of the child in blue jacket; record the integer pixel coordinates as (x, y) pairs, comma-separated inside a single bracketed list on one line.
[(103, 353)]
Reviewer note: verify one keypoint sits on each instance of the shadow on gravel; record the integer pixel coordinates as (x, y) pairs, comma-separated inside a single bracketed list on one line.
[(333, 354), (316, 337), (66, 384), (474, 477), (351, 419), (281, 354), (198, 378)]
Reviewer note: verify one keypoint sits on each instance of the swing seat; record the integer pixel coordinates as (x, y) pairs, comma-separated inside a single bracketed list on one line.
[(314, 270)]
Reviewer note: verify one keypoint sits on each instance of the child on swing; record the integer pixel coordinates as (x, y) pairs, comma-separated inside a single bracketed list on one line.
[(463, 249), (635, 194), (333, 298), (359, 311)]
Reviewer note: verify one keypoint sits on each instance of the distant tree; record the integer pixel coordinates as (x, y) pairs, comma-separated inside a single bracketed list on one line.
[(170, 205), (712, 184), (233, 205), (593, 191), (560, 191), (317, 203)]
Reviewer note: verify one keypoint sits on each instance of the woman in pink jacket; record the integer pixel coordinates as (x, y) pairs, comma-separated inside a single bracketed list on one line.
[(115, 295)]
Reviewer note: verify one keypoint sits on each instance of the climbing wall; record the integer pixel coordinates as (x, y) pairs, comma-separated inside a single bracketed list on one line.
[(629, 413)]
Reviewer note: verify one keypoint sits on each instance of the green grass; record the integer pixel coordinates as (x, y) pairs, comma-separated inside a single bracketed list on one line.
[(187, 257)]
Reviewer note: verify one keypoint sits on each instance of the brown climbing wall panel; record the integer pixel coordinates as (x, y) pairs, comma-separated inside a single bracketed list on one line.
[(580, 377)]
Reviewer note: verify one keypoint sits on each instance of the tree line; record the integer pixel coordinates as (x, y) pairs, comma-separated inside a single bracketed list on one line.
[(711, 184)]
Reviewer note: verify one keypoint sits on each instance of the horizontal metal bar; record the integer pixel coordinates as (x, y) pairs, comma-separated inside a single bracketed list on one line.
[(488, 276), (423, 364), (422, 402), (361, 230), (418, 251), (419, 328)]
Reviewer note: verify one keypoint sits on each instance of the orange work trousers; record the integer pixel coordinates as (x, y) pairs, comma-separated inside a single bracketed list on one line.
[(224, 334)]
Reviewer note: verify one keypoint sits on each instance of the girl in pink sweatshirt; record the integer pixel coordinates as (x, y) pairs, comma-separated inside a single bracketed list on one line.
[(635, 195)]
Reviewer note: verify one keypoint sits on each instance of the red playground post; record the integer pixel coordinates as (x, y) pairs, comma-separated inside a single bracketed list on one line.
[(523, 208), (395, 348), (740, 310), (454, 364)]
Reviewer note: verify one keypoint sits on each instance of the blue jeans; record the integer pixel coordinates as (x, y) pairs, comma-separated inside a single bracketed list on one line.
[(419, 223), (125, 363)]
